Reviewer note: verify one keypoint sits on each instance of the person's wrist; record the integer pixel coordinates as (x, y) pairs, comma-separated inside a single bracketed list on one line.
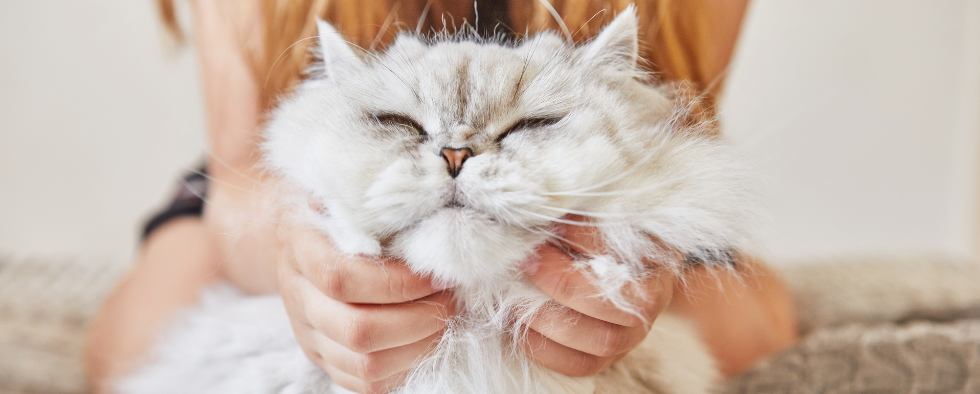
[(242, 226)]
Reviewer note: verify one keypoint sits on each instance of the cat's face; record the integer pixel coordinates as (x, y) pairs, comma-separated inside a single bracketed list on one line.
[(459, 155)]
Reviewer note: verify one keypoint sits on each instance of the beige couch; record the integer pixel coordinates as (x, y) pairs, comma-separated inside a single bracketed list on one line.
[(870, 326)]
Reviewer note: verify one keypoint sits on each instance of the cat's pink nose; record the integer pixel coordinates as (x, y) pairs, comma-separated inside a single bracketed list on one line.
[(455, 159)]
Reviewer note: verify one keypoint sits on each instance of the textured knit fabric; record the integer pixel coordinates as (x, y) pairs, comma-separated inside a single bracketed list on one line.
[(45, 308), (921, 357)]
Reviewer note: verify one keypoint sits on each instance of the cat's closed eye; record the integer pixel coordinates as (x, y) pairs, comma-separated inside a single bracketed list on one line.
[(402, 122), (529, 123)]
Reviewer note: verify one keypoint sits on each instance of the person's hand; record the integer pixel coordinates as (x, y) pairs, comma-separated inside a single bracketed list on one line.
[(586, 334), (364, 321)]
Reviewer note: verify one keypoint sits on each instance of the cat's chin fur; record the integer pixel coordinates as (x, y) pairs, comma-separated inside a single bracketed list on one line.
[(653, 182), (476, 264)]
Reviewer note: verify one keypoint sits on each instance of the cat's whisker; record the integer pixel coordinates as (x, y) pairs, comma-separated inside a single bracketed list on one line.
[(377, 58), (607, 193), (415, 91), (408, 64), (212, 179), (384, 26), (556, 219), (535, 230), (422, 18), (281, 55), (587, 22), (527, 61), (548, 67), (230, 167), (617, 178), (558, 18), (600, 215), (653, 153), (589, 194), (565, 241)]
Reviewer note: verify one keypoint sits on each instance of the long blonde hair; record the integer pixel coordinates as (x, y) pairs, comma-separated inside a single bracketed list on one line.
[(680, 38)]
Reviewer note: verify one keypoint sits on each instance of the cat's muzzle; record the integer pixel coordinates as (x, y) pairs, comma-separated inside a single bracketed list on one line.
[(455, 159)]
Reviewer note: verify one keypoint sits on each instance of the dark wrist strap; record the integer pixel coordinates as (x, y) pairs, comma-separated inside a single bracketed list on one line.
[(188, 201)]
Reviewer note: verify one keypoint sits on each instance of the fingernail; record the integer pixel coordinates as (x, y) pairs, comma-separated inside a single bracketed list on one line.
[(532, 263), (442, 284)]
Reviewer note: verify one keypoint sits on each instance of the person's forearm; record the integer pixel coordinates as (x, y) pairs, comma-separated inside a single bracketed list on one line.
[(742, 317), (242, 218), (174, 264)]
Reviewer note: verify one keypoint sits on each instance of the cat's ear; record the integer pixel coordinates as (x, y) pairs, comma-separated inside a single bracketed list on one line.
[(336, 55), (617, 44)]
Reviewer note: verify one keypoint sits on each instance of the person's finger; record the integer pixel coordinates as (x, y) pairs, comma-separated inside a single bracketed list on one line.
[(563, 359), (556, 276), (582, 239), (366, 328), (353, 279), (354, 384), (587, 241), (319, 350), (375, 366), (586, 334)]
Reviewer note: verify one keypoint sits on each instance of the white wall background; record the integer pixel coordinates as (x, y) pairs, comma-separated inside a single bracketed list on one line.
[(862, 114), (865, 117), (97, 118)]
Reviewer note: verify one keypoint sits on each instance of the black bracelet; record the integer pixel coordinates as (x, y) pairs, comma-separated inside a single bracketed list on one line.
[(188, 201)]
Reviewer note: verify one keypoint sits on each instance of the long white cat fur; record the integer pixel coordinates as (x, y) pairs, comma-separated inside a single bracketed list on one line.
[(593, 138)]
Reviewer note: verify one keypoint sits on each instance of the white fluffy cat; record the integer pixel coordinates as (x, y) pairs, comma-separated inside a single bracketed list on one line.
[(460, 155)]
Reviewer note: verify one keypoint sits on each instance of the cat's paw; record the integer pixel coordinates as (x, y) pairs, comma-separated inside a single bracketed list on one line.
[(350, 240), (352, 243)]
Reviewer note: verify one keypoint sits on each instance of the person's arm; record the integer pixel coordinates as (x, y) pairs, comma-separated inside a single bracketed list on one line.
[(240, 212), (185, 255), (742, 315), (363, 320), (236, 241), (175, 263)]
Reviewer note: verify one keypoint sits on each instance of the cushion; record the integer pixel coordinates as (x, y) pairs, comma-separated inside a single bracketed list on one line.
[(877, 325), (45, 308)]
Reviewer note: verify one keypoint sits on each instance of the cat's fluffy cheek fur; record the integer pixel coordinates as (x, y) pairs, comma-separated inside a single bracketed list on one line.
[(348, 238), (407, 191), (604, 158), (472, 251), (502, 189)]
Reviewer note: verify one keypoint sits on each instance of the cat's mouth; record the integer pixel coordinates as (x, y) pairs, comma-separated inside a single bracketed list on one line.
[(455, 198), (455, 203)]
